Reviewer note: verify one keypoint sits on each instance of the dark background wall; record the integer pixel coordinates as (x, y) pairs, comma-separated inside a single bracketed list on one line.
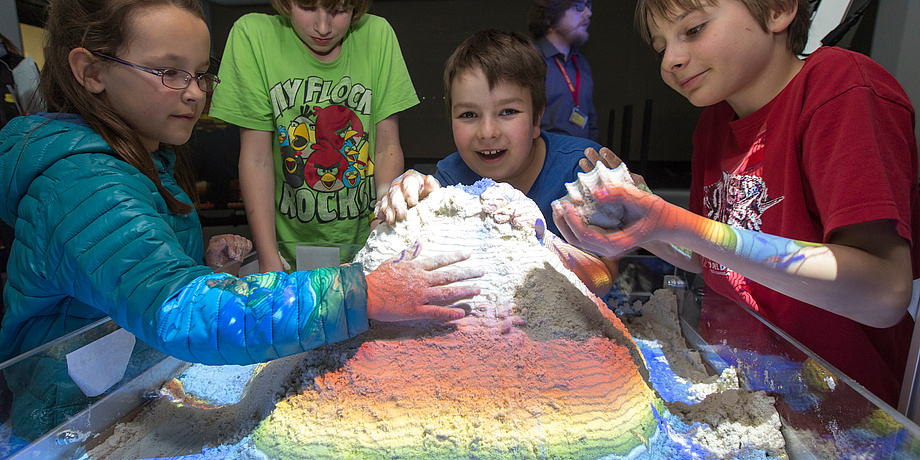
[(625, 72), (657, 142)]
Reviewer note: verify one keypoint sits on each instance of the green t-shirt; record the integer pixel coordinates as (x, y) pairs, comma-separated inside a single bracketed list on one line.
[(324, 115)]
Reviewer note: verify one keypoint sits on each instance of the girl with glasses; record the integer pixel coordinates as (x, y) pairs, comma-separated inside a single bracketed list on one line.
[(103, 209)]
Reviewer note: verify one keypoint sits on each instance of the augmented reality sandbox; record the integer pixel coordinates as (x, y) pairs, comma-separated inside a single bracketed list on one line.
[(539, 368)]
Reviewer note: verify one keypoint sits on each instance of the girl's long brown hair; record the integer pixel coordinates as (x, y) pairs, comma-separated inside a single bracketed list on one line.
[(102, 26)]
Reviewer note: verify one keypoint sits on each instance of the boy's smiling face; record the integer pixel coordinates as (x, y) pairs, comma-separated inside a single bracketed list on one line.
[(720, 52), (494, 129)]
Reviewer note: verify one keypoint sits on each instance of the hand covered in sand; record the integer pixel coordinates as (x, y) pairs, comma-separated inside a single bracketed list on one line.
[(611, 160), (226, 252), (405, 192), (645, 218), (678, 255), (407, 288), (587, 267)]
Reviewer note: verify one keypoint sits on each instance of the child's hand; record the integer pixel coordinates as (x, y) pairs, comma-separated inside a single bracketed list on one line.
[(405, 192), (226, 252), (611, 161), (645, 217), (405, 288)]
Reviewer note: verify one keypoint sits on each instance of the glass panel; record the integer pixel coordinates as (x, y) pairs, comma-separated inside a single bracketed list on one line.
[(825, 414), (34, 428)]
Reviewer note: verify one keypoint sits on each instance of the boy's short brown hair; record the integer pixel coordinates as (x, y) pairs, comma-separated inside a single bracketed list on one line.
[(283, 7), (503, 57), (646, 10)]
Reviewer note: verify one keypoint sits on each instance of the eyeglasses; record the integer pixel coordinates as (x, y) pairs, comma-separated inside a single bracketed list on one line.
[(173, 78), (580, 6)]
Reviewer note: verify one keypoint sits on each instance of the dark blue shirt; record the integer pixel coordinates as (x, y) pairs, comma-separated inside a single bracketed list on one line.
[(559, 167), (559, 101)]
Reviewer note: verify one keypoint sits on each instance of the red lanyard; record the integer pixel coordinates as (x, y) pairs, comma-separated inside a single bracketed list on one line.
[(574, 89)]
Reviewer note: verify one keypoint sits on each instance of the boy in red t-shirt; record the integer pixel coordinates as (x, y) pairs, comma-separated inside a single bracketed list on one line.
[(804, 197)]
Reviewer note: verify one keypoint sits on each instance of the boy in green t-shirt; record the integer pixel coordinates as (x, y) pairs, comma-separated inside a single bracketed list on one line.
[(316, 92)]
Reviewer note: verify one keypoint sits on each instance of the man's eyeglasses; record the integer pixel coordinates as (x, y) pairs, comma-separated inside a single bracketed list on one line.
[(580, 6), (173, 78)]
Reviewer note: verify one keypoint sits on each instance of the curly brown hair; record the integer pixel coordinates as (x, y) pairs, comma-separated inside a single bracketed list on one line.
[(545, 14)]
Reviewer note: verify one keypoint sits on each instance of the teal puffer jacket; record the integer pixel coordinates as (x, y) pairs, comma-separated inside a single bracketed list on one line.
[(94, 238)]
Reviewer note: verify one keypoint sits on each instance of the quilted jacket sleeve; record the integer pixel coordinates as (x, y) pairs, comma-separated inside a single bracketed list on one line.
[(219, 319), (118, 254), (98, 237)]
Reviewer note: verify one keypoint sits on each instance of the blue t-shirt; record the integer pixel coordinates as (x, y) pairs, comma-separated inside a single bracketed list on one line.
[(559, 167)]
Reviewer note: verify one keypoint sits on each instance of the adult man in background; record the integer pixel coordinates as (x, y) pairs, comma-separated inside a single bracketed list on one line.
[(558, 28)]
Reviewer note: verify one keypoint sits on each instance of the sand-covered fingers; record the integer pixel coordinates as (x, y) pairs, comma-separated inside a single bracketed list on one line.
[(605, 155), (448, 275), (646, 218), (440, 274), (226, 251), (611, 161), (572, 226), (436, 312), (450, 294), (440, 260), (405, 192)]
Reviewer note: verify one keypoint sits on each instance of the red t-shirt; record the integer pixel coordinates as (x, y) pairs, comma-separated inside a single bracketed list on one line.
[(836, 147)]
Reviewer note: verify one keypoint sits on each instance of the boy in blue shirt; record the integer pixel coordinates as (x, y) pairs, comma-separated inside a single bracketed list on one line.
[(495, 91)]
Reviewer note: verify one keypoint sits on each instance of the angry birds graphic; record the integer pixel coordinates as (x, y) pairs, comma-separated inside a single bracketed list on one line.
[(300, 134), (344, 132), (326, 149), (340, 126), (351, 177), (325, 167), (359, 159), (291, 162), (283, 140), (292, 141)]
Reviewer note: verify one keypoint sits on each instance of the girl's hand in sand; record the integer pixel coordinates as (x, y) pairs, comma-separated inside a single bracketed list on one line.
[(405, 192), (407, 287)]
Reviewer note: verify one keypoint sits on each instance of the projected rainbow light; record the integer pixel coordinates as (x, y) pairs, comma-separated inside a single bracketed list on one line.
[(545, 372), (464, 395)]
